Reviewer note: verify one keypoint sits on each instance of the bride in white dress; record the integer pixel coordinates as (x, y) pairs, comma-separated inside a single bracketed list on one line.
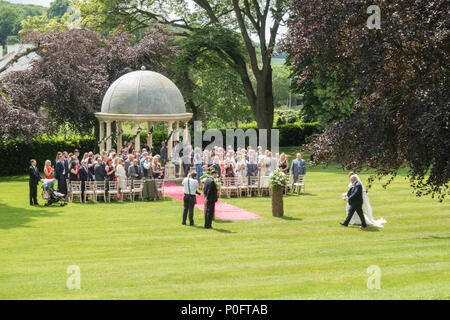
[(367, 210)]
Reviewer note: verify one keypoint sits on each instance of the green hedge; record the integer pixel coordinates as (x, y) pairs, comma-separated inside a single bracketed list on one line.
[(15, 154)]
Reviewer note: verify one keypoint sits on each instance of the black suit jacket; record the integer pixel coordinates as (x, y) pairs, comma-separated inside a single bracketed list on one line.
[(355, 195), (132, 172), (35, 177), (59, 169), (210, 190), (85, 174), (100, 172), (66, 167)]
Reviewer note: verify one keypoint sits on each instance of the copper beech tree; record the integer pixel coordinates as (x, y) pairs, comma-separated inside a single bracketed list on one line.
[(69, 80), (399, 74)]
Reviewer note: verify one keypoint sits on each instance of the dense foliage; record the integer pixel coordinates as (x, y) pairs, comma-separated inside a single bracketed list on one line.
[(400, 78)]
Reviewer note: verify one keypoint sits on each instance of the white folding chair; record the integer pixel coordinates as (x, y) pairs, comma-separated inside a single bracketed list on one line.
[(299, 184), (89, 190), (138, 187), (100, 190), (75, 190), (112, 190), (128, 191)]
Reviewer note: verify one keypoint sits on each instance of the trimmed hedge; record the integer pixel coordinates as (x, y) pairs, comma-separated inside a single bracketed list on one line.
[(16, 154)]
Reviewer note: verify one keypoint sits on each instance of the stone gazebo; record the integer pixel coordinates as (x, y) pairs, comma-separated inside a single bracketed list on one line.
[(142, 96)]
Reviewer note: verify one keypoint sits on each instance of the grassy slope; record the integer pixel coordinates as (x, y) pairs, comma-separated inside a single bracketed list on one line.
[(140, 250)]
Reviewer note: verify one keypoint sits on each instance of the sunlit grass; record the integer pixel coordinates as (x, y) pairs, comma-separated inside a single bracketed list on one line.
[(140, 250)]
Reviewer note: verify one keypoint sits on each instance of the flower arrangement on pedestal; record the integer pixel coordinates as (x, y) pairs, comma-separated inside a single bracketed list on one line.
[(278, 182)]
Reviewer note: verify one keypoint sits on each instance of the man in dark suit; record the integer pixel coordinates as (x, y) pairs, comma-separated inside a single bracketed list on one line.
[(66, 164), (85, 175), (210, 194), (35, 177), (355, 200), (298, 168), (60, 175), (99, 171)]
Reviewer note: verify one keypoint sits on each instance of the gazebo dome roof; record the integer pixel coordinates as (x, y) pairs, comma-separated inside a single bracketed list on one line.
[(143, 93)]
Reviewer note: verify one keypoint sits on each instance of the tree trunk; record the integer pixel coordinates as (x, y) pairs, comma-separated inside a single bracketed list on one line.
[(264, 107)]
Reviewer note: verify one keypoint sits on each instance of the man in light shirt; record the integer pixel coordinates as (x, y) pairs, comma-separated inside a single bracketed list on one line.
[(190, 184)]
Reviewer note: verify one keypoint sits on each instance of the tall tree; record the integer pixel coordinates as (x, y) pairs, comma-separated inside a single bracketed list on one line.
[(58, 8), (399, 73), (251, 18)]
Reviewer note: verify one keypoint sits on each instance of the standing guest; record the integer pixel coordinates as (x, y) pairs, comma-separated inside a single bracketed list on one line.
[(147, 167), (99, 170), (73, 174), (190, 186), (76, 153), (210, 193), (60, 175), (134, 171), (91, 166), (241, 170), (57, 156), (124, 154), (216, 166), (110, 172), (283, 164), (146, 148), (229, 169), (66, 164), (143, 158), (35, 177), (48, 170), (298, 167), (121, 175), (252, 165), (163, 153), (355, 201), (128, 163), (187, 162), (176, 156), (198, 163), (85, 175), (156, 168)]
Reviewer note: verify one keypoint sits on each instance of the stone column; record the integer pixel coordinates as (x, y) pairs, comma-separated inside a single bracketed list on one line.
[(119, 137), (177, 127), (102, 135), (186, 132), (137, 140), (149, 135), (169, 143), (108, 135)]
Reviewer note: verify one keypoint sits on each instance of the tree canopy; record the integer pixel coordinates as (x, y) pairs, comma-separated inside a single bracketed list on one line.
[(399, 75)]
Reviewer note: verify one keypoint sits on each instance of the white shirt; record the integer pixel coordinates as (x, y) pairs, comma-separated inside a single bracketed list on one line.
[(192, 186)]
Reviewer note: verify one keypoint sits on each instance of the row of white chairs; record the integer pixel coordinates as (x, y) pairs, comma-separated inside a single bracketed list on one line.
[(256, 185), (106, 190)]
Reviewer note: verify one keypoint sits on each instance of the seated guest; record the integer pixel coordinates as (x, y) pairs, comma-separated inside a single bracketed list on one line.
[(48, 170), (134, 171)]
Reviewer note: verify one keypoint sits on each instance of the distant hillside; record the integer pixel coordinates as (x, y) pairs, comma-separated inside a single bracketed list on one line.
[(11, 15)]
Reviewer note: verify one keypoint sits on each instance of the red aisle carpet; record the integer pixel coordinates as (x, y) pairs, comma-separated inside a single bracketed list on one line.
[(224, 210)]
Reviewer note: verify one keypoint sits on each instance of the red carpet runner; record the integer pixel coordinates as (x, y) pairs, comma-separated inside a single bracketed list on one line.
[(224, 210)]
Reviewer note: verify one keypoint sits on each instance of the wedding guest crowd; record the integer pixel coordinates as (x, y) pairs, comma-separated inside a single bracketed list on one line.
[(135, 164)]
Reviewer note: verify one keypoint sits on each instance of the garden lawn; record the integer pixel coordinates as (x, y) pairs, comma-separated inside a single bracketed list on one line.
[(140, 250)]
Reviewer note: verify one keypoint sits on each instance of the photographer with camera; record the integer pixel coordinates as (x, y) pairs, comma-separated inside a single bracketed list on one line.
[(190, 184)]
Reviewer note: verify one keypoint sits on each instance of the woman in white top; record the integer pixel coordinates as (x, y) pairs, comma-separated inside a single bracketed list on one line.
[(121, 175)]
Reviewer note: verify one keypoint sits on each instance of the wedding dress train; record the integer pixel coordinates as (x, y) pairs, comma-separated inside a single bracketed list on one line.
[(367, 211)]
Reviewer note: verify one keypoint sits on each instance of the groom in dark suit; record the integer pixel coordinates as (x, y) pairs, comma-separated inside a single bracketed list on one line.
[(355, 200), (210, 193)]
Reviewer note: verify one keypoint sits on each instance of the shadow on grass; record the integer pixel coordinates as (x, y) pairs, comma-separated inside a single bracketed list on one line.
[(214, 229), (13, 217), (290, 218), (435, 238), (367, 229), (223, 221)]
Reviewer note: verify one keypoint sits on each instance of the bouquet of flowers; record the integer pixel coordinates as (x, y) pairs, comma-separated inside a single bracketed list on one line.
[(278, 179), (206, 175)]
